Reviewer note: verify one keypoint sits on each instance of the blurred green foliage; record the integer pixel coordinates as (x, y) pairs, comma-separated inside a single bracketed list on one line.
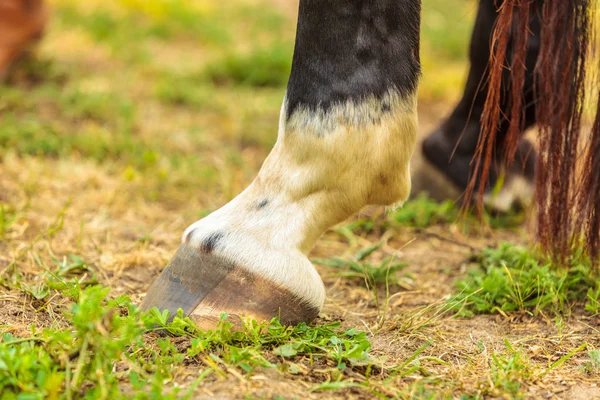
[(446, 28), (201, 55), (164, 89), (269, 66)]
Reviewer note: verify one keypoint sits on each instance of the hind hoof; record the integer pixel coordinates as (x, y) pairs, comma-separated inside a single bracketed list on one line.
[(445, 174)]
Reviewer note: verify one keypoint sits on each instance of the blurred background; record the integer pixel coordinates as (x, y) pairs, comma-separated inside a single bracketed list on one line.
[(137, 117), (183, 93)]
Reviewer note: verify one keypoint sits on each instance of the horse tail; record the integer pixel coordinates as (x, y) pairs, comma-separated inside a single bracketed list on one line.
[(568, 167)]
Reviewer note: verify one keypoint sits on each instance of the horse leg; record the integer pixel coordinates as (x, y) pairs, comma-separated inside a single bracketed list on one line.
[(21, 23), (451, 147), (347, 131)]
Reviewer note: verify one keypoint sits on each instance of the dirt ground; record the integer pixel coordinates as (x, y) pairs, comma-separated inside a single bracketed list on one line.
[(127, 223), (113, 222)]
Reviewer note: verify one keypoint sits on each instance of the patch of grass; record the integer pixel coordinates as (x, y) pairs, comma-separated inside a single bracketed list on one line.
[(511, 278), (260, 67), (8, 216), (97, 126), (423, 212), (447, 29), (245, 348), (28, 135), (129, 27), (104, 107), (349, 230), (510, 370), (69, 275), (358, 270), (593, 300), (37, 70), (42, 120), (71, 103), (421, 320), (169, 18), (411, 366), (188, 91), (127, 35), (108, 345), (102, 26), (79, 361), (592, 366)]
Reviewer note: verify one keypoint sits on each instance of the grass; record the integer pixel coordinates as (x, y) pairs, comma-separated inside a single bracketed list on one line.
[(260, 67), (593, 300), (103, 335), (424, 212), (187, 90), (509, 370), (357, 269), (140, 117), (592, 366), (96, 345), (140, 22), (446, 31), (511, 278)]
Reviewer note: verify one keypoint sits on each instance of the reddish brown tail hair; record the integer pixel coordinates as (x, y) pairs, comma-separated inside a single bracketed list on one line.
[(568, 174)]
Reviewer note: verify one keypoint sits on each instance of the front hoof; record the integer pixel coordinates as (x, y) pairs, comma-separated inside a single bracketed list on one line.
[(205, 285)]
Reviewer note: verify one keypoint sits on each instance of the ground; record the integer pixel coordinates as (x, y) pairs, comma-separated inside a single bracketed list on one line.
[(139, 117)]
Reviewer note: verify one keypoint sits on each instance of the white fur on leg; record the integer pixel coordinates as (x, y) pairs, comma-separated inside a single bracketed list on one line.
[(325, 166)]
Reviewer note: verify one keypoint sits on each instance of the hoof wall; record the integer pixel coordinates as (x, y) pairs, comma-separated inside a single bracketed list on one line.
[(205, 285)]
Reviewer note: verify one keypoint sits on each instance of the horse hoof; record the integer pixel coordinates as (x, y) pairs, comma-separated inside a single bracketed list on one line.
[(444, 175), (204, 286), (429, 180)]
